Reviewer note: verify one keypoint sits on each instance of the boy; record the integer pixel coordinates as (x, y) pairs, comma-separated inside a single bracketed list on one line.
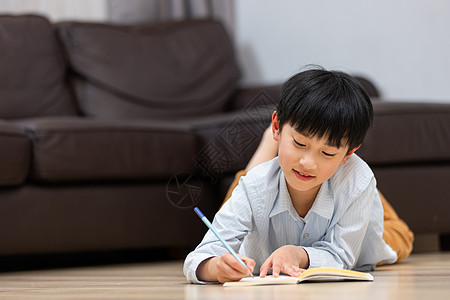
[(314, 205)]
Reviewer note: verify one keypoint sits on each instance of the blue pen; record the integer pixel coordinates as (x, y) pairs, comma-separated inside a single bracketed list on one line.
[(206, 221)]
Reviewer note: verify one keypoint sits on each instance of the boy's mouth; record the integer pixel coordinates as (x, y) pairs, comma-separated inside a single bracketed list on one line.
[(303, 176)]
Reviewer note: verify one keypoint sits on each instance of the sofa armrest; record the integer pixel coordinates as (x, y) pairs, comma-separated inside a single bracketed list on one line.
[(407, 132), (246, 97), (368, 85)]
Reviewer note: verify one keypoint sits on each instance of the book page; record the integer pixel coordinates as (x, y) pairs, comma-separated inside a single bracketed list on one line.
[(247, 281), (331, 274), (314, 274)]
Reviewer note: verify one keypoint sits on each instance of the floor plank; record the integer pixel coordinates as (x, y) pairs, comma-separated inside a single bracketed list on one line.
[(421, 276)]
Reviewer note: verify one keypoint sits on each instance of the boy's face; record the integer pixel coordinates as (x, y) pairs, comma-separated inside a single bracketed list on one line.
[(306, 161)]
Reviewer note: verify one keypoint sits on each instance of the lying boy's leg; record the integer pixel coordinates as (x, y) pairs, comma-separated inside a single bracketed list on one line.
[(267, 150)]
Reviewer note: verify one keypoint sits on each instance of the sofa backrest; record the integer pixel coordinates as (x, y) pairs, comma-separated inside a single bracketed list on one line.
[(165, 71), (32, 69)]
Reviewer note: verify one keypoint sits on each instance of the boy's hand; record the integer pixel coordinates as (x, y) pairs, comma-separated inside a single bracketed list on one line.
[(289, 259), (224, 268)]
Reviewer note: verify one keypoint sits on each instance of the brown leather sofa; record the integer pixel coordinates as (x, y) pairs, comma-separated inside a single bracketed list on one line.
[(110, 134)]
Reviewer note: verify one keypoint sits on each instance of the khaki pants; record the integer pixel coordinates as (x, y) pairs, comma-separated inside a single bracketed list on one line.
[(396, 233)]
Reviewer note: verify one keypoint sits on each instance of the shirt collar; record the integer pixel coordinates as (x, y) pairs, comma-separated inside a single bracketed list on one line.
[(323, 205), (283, 202)]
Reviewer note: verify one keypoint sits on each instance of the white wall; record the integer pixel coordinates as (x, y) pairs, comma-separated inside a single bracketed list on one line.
[(58, 10), (403, 46)]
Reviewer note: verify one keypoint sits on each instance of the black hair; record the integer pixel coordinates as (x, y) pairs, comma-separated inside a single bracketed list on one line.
[(331, 104)]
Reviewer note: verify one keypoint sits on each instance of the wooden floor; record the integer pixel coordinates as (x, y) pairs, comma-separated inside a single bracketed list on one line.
[(421, 276)]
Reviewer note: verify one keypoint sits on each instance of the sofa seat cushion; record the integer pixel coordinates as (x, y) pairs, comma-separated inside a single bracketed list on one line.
[(170, 70), (33, 69), (80, 149), (14, 154), (408, 133)]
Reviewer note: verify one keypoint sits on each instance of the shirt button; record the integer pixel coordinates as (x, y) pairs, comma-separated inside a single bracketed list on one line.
[(306, 235)]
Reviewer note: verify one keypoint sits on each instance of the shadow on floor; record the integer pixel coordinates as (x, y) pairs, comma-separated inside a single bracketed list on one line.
[(55, 261)]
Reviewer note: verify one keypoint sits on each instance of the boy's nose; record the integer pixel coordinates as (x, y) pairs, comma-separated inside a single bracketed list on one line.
[(308, 162)]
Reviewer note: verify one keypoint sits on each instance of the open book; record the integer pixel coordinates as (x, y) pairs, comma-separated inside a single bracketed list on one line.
[(315, 274)]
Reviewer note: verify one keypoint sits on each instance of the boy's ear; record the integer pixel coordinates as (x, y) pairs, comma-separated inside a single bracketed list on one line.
[(350, 153), (275, 126)]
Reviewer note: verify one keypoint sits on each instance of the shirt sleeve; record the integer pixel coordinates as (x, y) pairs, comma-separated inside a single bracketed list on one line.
[(341, 245), (233, 222)]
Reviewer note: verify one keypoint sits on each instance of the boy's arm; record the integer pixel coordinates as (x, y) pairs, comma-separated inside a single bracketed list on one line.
[(233, 222), (342, 243), (224, 268)]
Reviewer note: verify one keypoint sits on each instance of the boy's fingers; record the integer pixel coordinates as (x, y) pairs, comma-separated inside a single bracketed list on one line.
[(293, 271), (237, 266), (229, 275), (276, 268), (265, 267), (249, 262), (229, 269)]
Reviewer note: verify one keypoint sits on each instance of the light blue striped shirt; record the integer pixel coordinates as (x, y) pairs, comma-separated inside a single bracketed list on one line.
[(343, 228)]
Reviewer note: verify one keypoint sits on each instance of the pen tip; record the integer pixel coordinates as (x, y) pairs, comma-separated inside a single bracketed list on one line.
[(198, 212)]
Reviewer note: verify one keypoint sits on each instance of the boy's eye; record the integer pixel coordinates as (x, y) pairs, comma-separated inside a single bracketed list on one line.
[(298, 144), (328, 154)]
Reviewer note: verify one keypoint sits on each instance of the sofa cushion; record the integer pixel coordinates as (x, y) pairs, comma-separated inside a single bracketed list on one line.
[(32, 73), (80, 149), (170, 70), (408, 133), (14, 154)]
